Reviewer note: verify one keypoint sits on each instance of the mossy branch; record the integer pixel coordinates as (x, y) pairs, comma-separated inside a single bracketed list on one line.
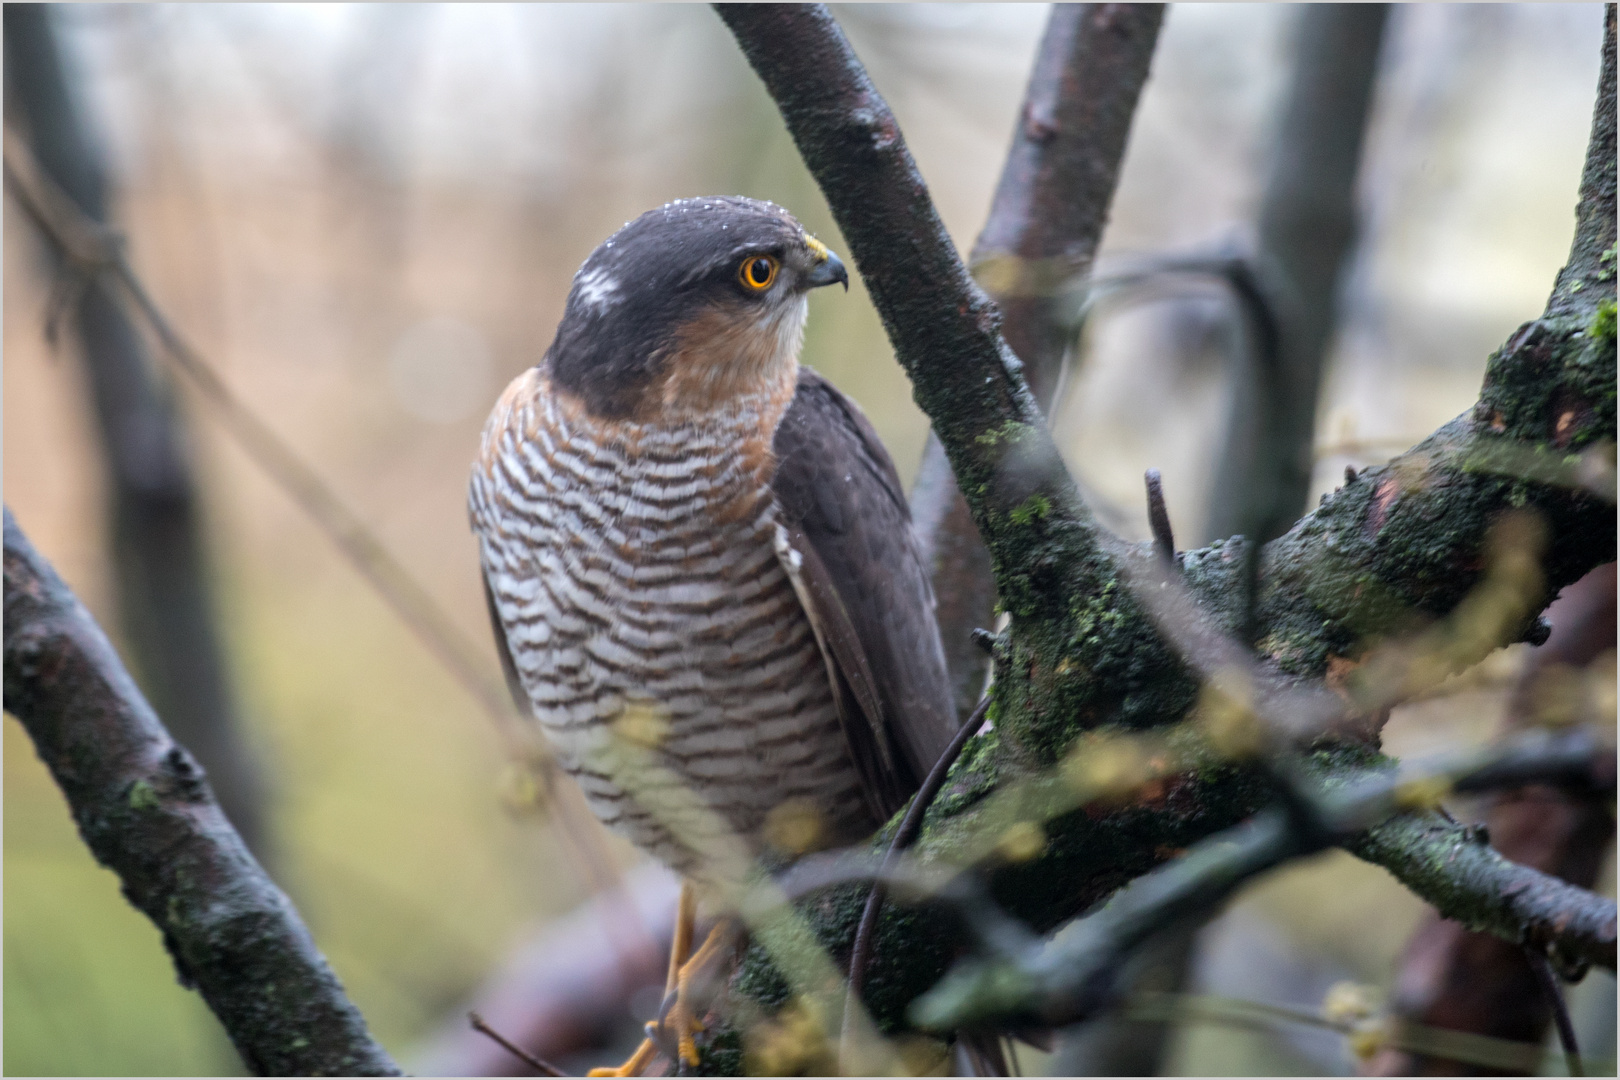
[(1035, 250), (147, 813)]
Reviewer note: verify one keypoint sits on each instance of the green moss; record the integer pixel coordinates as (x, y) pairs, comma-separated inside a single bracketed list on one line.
[(720, 1054), (1032, 509), (143, 797), (759, 980), (1009, 432), (1601, 328)]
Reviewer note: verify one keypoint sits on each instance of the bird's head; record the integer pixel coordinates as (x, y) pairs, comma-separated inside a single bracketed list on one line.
[(688, 307)]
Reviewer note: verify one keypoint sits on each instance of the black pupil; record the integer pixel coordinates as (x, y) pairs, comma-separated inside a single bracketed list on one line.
[(759, 270)]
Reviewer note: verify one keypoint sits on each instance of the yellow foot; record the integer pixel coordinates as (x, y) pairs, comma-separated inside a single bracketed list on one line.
[(634, 1064), (675, 1016), (680, 1019)]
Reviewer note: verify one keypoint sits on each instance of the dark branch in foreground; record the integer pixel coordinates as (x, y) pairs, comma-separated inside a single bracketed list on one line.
[(147, 813), (1397, 549), (1071, 978)]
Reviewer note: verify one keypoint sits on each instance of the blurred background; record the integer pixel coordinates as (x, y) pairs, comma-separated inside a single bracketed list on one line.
[(367, 216)]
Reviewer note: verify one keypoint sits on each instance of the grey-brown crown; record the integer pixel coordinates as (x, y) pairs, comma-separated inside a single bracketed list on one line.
[(631, 297)]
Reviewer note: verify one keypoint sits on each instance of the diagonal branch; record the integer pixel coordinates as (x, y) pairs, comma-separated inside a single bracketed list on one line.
[(1398, 547), (945, 330), (1037, 244), (147, 813)]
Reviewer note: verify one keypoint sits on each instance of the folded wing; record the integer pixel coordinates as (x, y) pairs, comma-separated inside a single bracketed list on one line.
[(861, 576)]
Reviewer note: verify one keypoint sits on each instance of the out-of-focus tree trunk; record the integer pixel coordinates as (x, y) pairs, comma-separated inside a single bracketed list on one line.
[(165, 602), (1307, 228)]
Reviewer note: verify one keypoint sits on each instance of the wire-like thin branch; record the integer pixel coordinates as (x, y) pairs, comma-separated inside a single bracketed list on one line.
[(94, 251), (158, 546), (538, 1064), (904, 835), (1542, 967), (146, 812)]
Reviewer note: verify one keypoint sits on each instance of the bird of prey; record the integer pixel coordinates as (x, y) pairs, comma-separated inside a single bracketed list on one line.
[(680, 526)]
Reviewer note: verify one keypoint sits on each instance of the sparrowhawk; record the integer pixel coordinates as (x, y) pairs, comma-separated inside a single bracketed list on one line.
[(677, 522)]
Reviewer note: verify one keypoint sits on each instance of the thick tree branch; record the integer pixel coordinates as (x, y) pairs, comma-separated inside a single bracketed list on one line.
[(147, 813), (1402, 543), (1037, 245), (1400, 546), (945, 330)]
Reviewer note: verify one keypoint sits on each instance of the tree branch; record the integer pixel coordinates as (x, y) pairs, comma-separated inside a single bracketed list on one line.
[(159, 552), (147, 813), (1452, 868), (1307, 229), (1037, 245), (1074, 975), (1401, 545)]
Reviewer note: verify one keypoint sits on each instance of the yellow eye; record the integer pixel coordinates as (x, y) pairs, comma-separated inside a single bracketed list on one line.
[(757, 272)]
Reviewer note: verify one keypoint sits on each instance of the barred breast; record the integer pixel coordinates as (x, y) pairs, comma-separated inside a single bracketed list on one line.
[(635, 566)]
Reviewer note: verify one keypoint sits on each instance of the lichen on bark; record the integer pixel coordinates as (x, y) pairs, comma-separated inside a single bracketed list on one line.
[(1390, 552)]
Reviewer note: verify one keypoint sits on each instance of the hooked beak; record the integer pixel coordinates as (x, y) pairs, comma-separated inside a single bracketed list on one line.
[(828, 270)]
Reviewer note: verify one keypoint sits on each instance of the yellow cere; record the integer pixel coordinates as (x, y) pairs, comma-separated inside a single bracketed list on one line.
[(817, 248)]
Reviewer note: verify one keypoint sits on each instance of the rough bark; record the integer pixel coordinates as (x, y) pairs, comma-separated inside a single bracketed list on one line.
[(1038, 243), (1462, 981), (1402, 544), (165, 598), (145, 810)]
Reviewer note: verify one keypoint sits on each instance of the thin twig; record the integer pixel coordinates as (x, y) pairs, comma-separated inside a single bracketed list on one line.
[(860, 956), (538, 1064), (1164, 541), (94, 250), (1548, 979)]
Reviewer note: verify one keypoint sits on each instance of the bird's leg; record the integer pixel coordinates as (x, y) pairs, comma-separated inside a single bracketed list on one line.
[(680, 1014), (685, 918)]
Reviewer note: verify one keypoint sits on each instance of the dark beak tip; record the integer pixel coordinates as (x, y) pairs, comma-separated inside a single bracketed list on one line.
[(829, 270)]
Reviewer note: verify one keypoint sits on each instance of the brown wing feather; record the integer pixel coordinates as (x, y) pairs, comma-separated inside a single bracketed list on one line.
[(868, 588)]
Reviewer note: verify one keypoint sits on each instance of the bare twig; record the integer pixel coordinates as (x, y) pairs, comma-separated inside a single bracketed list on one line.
[(146, 812), (861, 954), (1306, 231), (1164, 541), (1560, 1011), (1400, 544), (1073, 977), (1461, 1046), (1452, 978), (539, 1065), (94, 252)]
